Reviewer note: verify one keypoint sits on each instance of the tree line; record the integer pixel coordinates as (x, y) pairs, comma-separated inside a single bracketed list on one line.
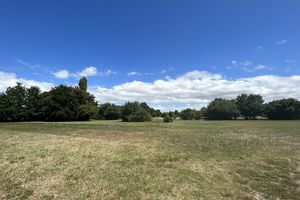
[(65, 103)]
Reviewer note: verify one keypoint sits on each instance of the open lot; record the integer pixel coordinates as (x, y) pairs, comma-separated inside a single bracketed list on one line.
[(153, 160)]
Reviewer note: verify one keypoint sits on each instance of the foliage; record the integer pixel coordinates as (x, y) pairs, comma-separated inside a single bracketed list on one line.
[(222, 109), (284, 109), (168, 118), (134, 112), (250, 106), (109, 111), (87, 111), (152, 111), (190, 114), (61, 103)]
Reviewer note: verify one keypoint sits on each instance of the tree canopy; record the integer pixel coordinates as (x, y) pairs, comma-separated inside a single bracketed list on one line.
[(250, 106), (284, 109), (222, 109)]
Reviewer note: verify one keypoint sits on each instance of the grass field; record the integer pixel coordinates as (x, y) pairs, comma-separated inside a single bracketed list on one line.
[(153, 160)]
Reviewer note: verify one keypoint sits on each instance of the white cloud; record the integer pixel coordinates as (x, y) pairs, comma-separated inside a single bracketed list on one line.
[(88, 71), (62, 74), (281, 42), (197, 89), (133, 73), (10, 79), (192, 89)]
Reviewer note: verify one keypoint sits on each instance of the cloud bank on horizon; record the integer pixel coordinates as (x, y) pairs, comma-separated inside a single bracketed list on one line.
[(192, 89)]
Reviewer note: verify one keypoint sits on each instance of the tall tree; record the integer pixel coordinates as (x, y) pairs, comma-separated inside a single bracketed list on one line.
[(32, 103), (83, 83), (16, 102), (62, 104), (3, 107)]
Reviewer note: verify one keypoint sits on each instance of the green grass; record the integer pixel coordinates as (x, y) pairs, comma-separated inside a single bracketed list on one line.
[(153, 160)]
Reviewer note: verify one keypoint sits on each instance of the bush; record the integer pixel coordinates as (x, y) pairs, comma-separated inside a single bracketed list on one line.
[(133, 112), (167, 119)]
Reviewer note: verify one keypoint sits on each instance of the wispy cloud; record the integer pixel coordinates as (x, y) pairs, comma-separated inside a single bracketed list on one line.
[(163, 71), (258, 49), (247, 63), (134, 73), (289, 61), (22, 62), (234, 62), (31, 66), (281, 42), (247, 66), (262, 67), (107, 73)]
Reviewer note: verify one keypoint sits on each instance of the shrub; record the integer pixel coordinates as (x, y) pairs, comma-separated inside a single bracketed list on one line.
[(167, 119)]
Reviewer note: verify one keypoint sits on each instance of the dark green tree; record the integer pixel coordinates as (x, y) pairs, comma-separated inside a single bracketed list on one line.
[(32, 103), (134, 112), (152, 111), (109, 111), (250, 106), (188, 114), (284, 109), (83, 84), (15, 102), (222, 109), (61, 104), (3, 107)]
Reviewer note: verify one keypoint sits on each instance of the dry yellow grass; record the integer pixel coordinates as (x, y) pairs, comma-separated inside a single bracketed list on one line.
[(154, 160)]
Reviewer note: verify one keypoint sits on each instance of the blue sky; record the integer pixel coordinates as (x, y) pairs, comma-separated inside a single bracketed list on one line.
[(141, 47)]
